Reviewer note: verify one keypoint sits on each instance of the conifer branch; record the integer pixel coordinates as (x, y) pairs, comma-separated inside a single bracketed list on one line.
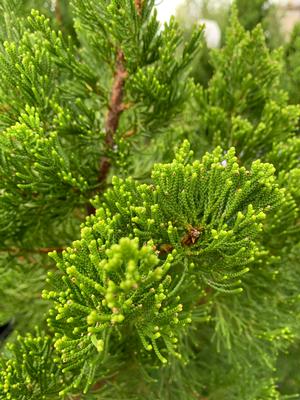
[(42, 250), (114, 113), (116, 106), (46, 250), (138, 5), (153, 282), (58, 13)]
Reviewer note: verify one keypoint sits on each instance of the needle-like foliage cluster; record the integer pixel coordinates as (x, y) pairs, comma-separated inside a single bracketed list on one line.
[(149, 226)]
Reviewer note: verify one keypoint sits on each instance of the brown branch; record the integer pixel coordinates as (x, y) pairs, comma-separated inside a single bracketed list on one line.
[(203, 300), (42, 250), (116, 106), (115, 110), (139, 5), (58, 13), (46, 250)]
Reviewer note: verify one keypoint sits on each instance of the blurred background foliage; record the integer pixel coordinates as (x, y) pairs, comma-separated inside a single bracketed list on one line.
[(251, 13)]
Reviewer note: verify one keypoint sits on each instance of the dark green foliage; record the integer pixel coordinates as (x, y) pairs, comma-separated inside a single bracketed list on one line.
[(252, 13), (147, 278), (30, 372), (264, 13), (21, 283)]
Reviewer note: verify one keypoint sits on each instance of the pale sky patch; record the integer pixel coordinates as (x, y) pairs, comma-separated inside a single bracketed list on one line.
[(166, 8)]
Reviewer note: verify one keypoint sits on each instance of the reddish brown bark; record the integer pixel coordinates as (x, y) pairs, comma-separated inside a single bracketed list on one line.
[(58, 13), (46, 250), (138, 5), (116, 106), (115, 110)]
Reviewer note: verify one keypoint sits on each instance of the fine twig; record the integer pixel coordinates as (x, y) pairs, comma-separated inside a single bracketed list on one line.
[(42, 250)]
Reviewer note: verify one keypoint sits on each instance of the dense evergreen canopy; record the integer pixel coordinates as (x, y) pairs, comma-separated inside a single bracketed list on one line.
[(149, 226)]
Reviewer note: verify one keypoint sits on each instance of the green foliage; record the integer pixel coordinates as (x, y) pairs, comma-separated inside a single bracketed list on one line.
[(244, 105), (252, 13), (157, 84), (265, 13), (128, 290), (29, 372), (31, 178), (206, 215), (214, 205), (167, 278), (21, 283)]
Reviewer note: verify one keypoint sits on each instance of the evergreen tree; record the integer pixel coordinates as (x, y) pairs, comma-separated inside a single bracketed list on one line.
[(149, 227)]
